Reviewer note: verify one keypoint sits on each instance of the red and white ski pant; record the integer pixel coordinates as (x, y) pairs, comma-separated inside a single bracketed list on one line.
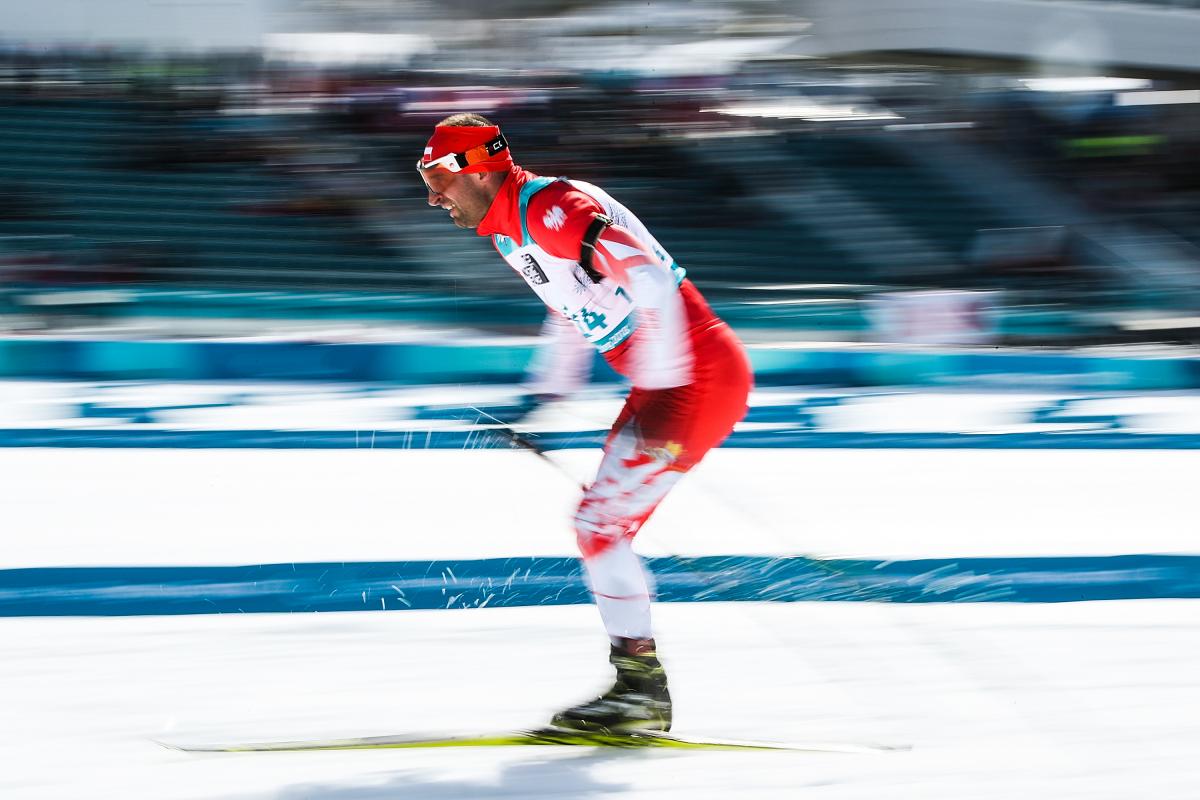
[(658, 436)]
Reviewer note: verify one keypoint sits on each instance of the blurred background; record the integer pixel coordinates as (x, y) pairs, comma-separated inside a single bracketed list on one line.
[(961, 172)]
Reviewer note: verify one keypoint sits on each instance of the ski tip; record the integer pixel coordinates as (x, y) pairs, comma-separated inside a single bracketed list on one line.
[(181, 747), (852, 747), (178, 748)]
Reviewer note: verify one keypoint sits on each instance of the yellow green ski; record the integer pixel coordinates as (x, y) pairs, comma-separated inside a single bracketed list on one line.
[(537, 737)]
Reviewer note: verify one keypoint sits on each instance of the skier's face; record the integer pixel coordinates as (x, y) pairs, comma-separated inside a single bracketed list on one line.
[(466, 196)]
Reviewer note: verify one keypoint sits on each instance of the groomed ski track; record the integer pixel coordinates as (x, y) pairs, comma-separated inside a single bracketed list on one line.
[(999, 700)]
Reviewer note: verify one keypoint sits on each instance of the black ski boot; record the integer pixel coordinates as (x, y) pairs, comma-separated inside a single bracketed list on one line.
[(638, 701)]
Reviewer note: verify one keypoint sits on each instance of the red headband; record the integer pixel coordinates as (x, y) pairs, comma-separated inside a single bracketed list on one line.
[(448, 139)]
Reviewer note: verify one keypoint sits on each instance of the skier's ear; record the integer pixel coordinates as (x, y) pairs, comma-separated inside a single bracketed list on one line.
[(491, 178)]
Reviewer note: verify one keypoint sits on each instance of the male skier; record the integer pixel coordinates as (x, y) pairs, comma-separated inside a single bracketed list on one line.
[(606, 278)]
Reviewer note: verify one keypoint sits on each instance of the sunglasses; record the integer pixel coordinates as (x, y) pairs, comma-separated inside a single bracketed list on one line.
[(457, 162)]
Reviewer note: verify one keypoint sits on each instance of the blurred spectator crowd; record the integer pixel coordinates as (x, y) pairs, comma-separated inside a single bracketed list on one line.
[(782, 184)]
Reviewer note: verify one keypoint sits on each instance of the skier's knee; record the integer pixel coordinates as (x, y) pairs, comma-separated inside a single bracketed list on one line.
[(596, 531)]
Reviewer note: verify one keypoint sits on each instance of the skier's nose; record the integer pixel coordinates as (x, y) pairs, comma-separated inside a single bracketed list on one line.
[(434, 198)]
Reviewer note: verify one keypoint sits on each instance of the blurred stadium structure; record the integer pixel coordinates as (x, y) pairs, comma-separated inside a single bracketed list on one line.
[(944, 172)]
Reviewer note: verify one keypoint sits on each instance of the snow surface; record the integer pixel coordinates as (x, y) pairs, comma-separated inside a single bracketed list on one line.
[(1088, 700), (1076, 700), (96, 507)]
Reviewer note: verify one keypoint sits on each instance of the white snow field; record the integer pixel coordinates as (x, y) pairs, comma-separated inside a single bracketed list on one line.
[(1090, 700)]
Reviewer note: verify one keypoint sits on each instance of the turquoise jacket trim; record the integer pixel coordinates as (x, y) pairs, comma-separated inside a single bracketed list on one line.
[(504, 244), (527, 191)]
